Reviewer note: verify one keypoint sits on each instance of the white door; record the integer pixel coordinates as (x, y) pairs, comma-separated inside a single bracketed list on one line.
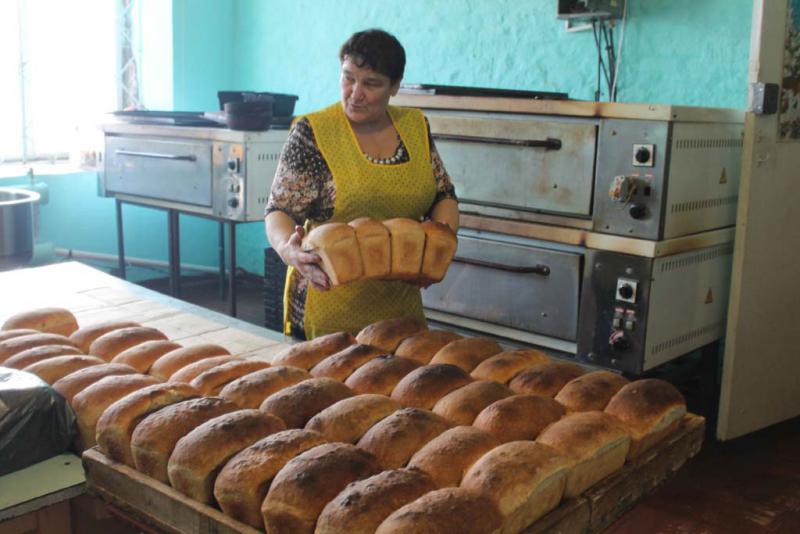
[(761, 370)]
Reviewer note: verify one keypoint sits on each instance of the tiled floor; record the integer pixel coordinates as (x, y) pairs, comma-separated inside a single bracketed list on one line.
[(748, 485)]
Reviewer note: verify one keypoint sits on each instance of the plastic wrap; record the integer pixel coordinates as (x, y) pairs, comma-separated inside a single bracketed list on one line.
[(35, 421)]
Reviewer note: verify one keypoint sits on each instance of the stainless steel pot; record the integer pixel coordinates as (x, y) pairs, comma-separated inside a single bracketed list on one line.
[(16, 226)]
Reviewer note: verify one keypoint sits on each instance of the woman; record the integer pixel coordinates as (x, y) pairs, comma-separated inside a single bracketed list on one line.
[(357, 158)]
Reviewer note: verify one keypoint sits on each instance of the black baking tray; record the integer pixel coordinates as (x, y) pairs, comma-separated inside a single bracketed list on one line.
[(174, 118), (460, 90)]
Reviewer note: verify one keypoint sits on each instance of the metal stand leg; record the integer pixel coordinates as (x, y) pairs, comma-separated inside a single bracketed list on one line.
[(174, 253), (120, 240), (232, 269), (222, 261)]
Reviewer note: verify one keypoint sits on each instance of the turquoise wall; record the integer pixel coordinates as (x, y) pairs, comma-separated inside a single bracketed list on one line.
[(675, 51)]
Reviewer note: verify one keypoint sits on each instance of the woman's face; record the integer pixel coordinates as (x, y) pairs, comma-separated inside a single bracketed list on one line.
[(365, 93)]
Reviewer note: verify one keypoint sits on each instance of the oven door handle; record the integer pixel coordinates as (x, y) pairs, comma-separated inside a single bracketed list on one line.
[(541, 270), (156, 155), (550, 143)]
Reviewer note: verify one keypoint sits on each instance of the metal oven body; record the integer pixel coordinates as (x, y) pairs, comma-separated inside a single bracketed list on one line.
[(602, 232)]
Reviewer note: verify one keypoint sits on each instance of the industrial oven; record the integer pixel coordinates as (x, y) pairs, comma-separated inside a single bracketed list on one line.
[(602, 231)]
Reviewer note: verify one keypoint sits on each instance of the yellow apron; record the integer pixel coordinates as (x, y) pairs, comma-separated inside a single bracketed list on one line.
[(366, 189)]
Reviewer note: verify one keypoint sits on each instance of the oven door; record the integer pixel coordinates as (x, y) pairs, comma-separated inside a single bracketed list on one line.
[(509, 287)]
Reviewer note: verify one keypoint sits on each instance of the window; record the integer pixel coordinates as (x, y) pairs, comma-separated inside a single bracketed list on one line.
[(59, 71)]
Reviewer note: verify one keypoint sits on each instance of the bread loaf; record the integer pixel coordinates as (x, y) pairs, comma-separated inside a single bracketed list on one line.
[(423, 387), (506, 365), (422, 346), (53, 369), (155, 436), (387, 334), (250, 390), (144, 355), (395, 439), (380, 375), (650, 410), (595, 444), (49, 320), (545, 379), (308, 482), (112, 343), (519, 417), (461, 406), (408, 246), (23, 359), (448, 456), (336, 245), (307, 354), (15, 345), (445, 511), (115, 427), (363, 505), (591, 391), (440, 247), (85, 336), (73, 383), (525, 480), (90, 403), (175, 360), (199, 455), (375, 247), (16, 332), (347, 420), (243, 482), (212, 381), (467, 353), (193, 370), (342, 364), (299, 403)]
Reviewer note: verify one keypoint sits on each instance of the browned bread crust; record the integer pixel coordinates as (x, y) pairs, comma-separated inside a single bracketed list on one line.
[(199, 455), (440, 247), (467, 353), (387, 334), (53, 369), (85, 336), (380, 375), (423, 387), (243, 482), (15, 345), (363, 505), (175, 360), (395, 439), (50, 320), (112, 343), (545, 379), (193, 370), (252, 389), (298, 403), (506, 365), (445, 511), (212, 381), (23, 359), (347, 420), (450, 454), (591, 391), (336, 245), (307, 354), (16, 332), (342, 364), (519, 417), (375, 247), (422, 346), (116, 425), (142, 356), (462, 406), (154, 438), (73, 383)]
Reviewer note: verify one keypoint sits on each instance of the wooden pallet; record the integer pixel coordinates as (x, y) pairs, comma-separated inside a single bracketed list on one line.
[(158, 505)]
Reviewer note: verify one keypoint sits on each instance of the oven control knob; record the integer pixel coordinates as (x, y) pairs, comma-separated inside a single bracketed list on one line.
[(637, 211), (233, 202), (233, 164), (619, 341), (642, 155), (625, 291)]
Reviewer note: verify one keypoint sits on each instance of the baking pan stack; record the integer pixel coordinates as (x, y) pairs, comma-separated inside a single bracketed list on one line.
[(396, 429)]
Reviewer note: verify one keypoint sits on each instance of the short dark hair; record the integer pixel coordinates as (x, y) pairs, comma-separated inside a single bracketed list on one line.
[(377, 50)]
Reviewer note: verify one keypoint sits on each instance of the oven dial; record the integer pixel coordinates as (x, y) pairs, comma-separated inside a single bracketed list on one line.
[(619, 341), (233, 202), (643, 155), (626, 290), (637, 211)]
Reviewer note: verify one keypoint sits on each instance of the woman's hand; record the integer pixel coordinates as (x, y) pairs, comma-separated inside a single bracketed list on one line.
[(305, 263)]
